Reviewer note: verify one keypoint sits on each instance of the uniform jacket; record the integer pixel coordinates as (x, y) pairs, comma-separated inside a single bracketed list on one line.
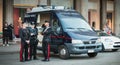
[(24, 35), (33, 37), (33, 31), (47, 35), (6, 31)]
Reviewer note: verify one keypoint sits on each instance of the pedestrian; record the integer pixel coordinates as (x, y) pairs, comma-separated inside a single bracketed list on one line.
[(107, 29), (10, 32), (33, 41), (5, 34), (46, 41), (25, 40)]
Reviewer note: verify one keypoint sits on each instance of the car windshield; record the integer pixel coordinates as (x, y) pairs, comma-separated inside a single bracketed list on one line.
[(75, 23)]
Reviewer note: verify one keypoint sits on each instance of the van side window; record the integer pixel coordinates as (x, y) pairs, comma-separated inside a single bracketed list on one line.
[(56, 26)]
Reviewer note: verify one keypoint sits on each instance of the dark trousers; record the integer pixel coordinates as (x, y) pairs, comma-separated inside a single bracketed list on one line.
[(24, 52), (46, 50), (33, 48), (5, 40)]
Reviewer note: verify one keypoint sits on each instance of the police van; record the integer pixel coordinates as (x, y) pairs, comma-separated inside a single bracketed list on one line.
[(71, 32)]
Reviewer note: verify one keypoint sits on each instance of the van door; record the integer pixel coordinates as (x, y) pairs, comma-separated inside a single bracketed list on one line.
[(57, 36)]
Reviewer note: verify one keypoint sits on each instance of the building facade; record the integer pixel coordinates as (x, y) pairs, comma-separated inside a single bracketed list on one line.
[(96, 12)]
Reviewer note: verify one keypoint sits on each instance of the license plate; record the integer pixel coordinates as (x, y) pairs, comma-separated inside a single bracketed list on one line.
[(90, 51)]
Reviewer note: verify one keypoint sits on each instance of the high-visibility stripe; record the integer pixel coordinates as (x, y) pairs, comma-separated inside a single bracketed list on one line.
[(48, 51), (29, 51), (21, 52)]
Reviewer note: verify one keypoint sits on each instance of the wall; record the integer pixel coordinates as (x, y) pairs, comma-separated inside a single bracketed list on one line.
[(25, 2), (84, 9), (94, 15), (66, 3), (1, 14), (117, 17), (110, 6), (29, 3), (9, 11), (92, 5), (43, 2), (78, 5), (16, 25)]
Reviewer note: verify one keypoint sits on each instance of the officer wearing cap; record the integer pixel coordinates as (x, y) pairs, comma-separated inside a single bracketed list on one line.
[(25, 40), (33, 41), (46, 41)]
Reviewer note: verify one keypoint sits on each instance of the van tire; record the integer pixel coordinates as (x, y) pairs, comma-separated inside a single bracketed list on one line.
[(92, 54), (63, 52)]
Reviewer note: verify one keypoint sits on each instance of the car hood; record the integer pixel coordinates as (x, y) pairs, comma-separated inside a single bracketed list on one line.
[(82, 35), (113, 38)]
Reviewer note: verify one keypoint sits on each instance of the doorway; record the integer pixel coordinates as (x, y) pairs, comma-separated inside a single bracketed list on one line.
[(93, 19), (110, 20)]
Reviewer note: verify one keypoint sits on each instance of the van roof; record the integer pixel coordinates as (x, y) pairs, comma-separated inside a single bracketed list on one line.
[(48, 8)]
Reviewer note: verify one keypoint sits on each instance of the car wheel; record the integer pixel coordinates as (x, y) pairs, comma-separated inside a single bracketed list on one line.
[(63, 52), (92, 54), (114, 50)]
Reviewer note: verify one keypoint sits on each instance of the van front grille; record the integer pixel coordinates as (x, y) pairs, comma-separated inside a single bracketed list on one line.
[(89, 42), (91, 47)]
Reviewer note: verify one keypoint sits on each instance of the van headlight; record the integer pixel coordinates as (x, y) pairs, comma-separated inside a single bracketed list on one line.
[(77, 41), (98, 40)]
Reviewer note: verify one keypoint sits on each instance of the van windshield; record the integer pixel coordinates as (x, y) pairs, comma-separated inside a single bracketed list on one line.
[(75, 23)]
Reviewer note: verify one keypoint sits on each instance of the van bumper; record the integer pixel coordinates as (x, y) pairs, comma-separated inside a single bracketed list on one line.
[(83, 48)]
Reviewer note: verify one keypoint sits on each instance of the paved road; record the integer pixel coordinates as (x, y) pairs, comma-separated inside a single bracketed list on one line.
[(10, 56)]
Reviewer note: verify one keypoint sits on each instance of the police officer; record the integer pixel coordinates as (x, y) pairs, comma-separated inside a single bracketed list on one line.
[(46, 41), (33, 41), (25, 40)]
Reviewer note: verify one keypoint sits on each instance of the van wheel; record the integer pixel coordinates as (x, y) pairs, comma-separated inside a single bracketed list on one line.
[(114, 50), (92, 54), (63, 52)]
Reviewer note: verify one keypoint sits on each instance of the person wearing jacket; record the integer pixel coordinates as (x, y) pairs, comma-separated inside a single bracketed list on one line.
[(5, 34), (25, 40), (33, 41), (46, 41)]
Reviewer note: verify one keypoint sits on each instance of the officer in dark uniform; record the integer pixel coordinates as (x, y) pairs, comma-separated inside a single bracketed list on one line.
[(33, 41), (46, 41), (25, 40)]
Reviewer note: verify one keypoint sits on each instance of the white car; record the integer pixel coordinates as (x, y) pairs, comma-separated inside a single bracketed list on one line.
[(109, 42)]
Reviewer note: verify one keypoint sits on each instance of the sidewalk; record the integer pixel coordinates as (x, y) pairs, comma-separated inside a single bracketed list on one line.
[(13, 47)]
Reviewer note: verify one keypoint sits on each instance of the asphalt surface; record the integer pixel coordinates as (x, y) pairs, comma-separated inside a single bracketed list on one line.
[(9, 55)]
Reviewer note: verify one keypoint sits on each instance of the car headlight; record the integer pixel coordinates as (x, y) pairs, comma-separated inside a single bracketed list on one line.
[(77, 41), (108, 40), (98, 40)]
